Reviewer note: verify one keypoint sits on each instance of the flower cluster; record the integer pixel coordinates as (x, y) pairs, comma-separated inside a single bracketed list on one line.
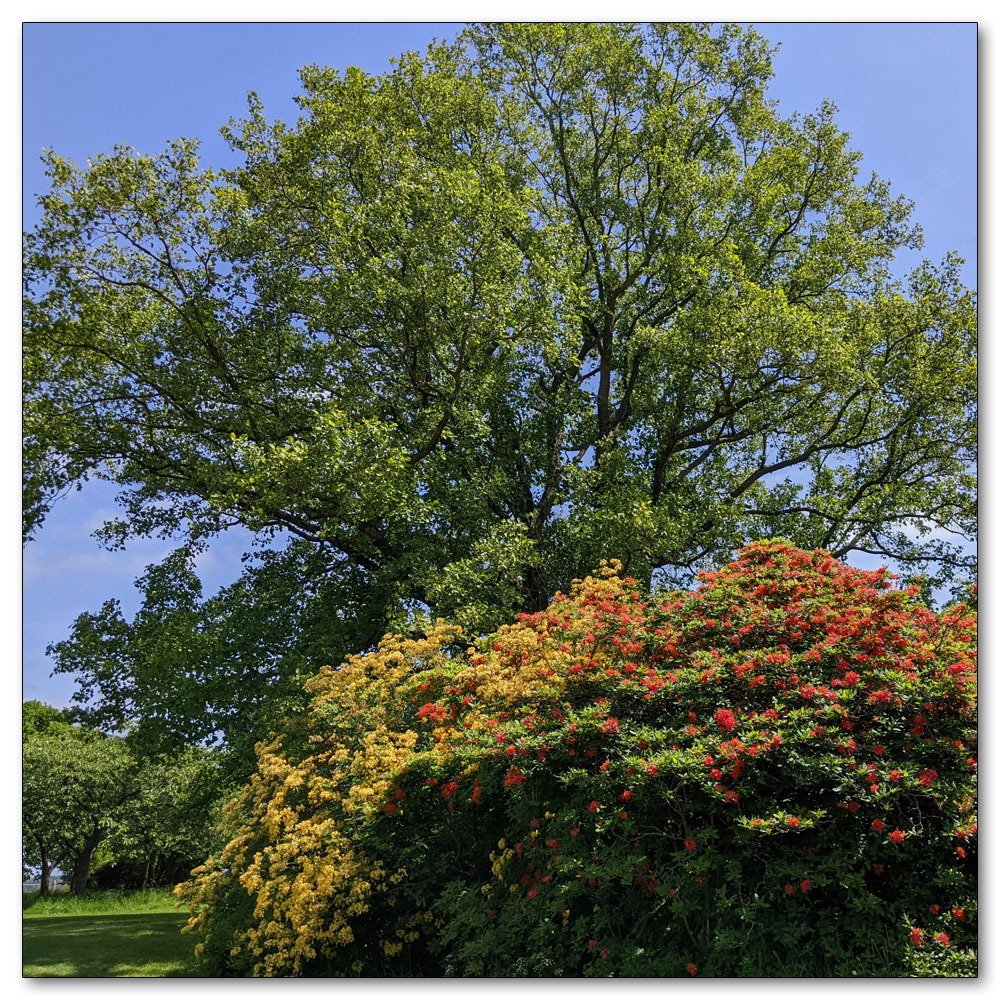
[(595, 779)]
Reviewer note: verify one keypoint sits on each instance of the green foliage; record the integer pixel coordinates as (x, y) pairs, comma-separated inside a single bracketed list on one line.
[(172, 822), (88, 801), (545, 294), (76, 788), (771, 775), (37, 717)]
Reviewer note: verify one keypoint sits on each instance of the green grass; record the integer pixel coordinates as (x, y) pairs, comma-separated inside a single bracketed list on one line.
[(106, 935)]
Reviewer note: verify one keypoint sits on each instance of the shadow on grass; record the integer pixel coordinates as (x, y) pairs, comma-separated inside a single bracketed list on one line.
[(142, 945)]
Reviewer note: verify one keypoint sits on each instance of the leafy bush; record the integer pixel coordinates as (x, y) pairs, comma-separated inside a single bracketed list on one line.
[(774, 774)]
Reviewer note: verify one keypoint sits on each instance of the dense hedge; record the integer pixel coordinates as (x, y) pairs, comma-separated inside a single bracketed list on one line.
[(774, 774)]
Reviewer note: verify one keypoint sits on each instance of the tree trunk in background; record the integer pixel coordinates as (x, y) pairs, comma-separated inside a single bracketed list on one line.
[(47, 866), (81, 870)]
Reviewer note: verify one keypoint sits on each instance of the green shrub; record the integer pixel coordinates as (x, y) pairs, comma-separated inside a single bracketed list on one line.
[(772, 775)]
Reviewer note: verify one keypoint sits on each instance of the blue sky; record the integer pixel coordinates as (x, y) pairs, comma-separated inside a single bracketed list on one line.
[(906, 94)]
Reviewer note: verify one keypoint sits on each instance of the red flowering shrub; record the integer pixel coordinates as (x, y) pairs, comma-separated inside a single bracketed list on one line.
[(451, 811)]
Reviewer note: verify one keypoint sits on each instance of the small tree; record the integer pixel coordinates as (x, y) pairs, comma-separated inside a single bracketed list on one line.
[(84, 791), (171, 825), (77, 788), (38, 842)]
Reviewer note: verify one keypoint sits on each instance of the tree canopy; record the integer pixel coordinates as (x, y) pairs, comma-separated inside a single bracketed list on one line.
[(545, 294)]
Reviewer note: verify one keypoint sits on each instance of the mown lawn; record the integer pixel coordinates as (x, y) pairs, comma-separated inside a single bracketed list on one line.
[(106, 935)]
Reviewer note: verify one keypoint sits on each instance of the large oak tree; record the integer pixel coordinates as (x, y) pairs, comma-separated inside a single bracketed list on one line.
[(547, 294)]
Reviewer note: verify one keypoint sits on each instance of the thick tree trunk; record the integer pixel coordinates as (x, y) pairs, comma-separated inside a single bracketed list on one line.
[(81, 870), (534, 591)]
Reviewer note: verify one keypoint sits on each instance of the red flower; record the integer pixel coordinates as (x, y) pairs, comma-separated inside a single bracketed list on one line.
[(605, 953), (897, 836), (591, 944), (514, 777), (958, 913), (627, 794), (960, 851), (692, 969), (917, 936), (942, 939), (935, 909), (436, 713), (594, 806), (877, 825), (725, 719), (805, 885), (689, 844), (792, 821), (789, 889)]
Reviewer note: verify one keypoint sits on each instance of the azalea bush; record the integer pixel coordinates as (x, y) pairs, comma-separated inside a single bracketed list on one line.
[(771, 775)]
